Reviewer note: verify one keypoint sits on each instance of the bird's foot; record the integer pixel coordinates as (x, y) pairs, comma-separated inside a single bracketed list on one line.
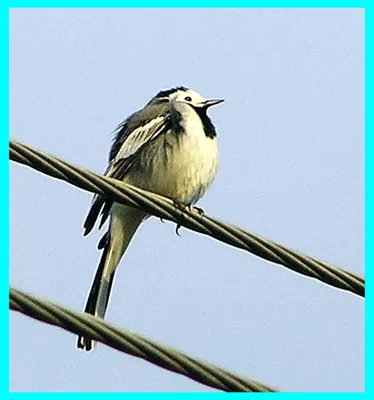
[(182, 208), (185, 208), (199, 210)]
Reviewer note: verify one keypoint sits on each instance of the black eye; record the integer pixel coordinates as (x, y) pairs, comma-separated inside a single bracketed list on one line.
[(188, 98)]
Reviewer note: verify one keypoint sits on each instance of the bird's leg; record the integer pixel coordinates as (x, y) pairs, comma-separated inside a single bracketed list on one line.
[(182, 208)]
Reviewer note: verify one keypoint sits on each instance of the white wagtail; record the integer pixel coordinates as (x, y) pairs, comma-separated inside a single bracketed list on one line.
[(169, 147)]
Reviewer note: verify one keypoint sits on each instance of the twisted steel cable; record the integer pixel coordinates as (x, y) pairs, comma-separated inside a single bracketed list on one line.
[(132, 343), (190, 218)]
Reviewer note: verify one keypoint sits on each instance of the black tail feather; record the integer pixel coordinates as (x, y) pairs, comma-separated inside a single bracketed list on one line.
[(93, 214), (83, 342)]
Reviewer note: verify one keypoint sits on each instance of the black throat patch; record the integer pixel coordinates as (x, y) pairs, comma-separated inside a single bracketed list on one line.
[(209, 129)]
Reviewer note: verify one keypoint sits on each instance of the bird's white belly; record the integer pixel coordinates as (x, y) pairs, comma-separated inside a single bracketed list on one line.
[(178, 166), (189, 170)]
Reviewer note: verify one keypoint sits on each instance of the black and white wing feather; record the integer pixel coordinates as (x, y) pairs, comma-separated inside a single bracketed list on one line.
[(131, 137)]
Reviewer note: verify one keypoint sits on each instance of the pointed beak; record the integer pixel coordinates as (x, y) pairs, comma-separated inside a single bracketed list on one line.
[(210, 103)]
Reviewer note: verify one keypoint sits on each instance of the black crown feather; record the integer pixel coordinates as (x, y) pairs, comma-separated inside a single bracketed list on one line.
[(168, 92)]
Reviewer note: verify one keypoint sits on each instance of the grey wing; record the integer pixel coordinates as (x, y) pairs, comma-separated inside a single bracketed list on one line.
[(122, 162)]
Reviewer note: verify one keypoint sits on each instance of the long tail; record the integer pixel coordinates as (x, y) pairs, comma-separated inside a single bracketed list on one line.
[(124, 222)]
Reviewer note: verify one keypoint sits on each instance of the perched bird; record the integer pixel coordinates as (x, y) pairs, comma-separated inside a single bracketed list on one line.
[(169, 147)]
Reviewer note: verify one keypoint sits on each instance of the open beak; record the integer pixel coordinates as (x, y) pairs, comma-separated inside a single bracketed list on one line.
[(210, 103)]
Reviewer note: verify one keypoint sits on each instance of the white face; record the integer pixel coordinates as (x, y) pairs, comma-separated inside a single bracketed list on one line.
[(189, 96)]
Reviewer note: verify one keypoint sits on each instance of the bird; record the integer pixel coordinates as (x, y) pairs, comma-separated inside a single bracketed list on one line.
[(168, 147)]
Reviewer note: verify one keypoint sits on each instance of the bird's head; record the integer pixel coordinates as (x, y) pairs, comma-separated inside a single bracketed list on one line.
[(188, 96)]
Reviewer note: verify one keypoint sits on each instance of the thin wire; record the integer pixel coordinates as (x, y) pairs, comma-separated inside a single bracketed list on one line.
[(190, 218), (132, 343)]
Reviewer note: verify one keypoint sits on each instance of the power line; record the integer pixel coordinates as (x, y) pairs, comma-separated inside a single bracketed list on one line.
[(132, 343), (190, 218)]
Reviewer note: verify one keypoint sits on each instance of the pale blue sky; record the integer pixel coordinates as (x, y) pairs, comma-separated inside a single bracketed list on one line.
[(291, 138)]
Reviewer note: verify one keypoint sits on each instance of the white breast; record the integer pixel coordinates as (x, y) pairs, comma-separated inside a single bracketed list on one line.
[(194, 165), (182, 165)]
